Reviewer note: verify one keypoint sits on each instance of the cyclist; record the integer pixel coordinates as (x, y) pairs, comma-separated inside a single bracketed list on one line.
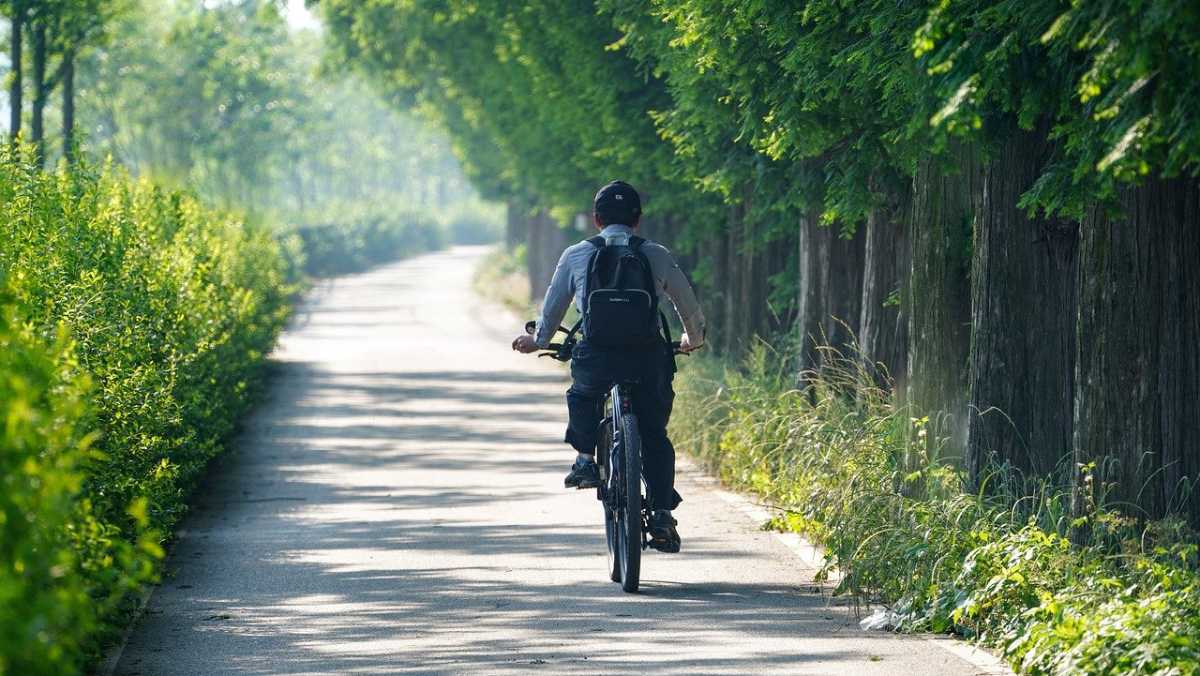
[(617, 213)]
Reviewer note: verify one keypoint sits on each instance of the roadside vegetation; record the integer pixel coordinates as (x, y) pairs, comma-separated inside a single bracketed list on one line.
[(501, 278), (135, 323), (353, 242), (345, 238), (993, 204), (174, 174), (1054, 590)]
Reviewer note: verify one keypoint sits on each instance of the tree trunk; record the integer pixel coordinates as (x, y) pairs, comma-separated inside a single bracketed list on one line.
[(68, 107), (544, 246), (515, 224), (722, 335), (844, 291), (830, 291), (813, 276), (534, 245), (938, 298), (15, 53), (736, 315), (1023, 317), (1137, 399), (39, 93), (885, 271)]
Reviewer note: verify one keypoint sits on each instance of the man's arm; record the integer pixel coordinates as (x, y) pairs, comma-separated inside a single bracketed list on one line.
[(677, 288), (557, 301)]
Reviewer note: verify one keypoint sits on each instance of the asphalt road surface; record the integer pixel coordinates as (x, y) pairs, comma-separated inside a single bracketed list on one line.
[(395, 505)]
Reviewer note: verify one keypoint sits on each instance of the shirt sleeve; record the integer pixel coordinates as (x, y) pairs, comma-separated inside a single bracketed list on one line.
[(675, 284), (557, 300)]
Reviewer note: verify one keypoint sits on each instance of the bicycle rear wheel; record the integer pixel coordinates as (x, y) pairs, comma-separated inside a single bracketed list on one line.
[(629, 516), (607, 492)]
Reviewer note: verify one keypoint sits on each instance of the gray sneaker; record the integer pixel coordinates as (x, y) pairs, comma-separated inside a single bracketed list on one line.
[(663, 535), (583, 474)]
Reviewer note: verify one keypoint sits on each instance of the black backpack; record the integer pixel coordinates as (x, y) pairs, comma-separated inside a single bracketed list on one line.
[(620, 297)]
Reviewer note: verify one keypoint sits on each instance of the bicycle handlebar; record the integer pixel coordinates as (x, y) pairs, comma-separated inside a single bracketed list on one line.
[(562, 351)]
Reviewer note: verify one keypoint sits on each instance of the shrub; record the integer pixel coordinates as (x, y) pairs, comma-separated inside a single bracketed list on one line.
[(474, 223), (352, 240), (167, 310), (501, 277)]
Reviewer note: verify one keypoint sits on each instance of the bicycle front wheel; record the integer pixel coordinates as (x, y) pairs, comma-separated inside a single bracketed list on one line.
[(630, 515)]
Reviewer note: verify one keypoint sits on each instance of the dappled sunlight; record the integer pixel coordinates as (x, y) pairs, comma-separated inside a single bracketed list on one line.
[(394, 511)]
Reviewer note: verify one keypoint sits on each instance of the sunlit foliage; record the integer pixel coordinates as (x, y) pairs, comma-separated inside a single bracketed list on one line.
[(135, 324)]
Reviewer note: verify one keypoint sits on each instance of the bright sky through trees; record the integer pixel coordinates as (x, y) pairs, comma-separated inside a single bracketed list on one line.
[(299, 18)]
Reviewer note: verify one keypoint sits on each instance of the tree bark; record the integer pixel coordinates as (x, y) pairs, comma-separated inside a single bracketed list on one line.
[(844, 291), (516, 226), (1023, 317), (938, 298), (1137, 399), (36, 129), (15, 53), (830, 291), (885, 271), (813, 243), (68, 107), (544, 246)]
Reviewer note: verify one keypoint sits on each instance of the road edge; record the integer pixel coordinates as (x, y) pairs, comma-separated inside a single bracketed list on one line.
[(813, 556)]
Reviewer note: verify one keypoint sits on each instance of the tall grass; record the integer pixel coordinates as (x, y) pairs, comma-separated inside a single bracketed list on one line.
[(134, 324), (865, 478), (500, 277)]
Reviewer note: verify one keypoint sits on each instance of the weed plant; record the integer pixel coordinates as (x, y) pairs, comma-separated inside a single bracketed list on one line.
[(1055, 591), (134, 324), (500, 277)]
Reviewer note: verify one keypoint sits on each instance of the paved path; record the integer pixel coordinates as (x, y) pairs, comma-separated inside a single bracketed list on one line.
[(395, 506)]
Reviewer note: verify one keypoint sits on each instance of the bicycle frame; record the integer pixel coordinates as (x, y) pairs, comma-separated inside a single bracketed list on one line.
[(622, 490)]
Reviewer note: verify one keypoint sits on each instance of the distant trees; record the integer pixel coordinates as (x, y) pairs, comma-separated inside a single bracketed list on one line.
[(221, 97), (55, 32), (998, 199)]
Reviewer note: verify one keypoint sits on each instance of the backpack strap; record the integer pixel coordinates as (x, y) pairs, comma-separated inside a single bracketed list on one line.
[(574, 330), (598, 243), (635, 243)]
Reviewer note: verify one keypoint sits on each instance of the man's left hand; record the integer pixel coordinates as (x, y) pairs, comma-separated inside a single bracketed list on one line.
[(525, 344)]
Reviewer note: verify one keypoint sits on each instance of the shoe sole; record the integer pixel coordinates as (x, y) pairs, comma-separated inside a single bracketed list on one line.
[(664, 546), (582, 485)]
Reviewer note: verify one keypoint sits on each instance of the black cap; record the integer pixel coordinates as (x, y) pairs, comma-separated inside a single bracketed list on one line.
[(618, 202)]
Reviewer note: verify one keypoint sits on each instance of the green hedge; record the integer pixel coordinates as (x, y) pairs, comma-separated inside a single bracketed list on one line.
[(1056, 590), (134, 327), (356, 239)]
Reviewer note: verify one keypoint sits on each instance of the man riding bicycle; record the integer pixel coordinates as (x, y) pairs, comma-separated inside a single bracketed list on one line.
[(649, 365)]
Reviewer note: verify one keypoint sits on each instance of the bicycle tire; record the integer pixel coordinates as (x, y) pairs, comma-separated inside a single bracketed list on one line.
[(630, 521), (611, 527)]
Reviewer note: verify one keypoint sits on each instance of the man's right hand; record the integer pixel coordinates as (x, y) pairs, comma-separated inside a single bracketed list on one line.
[(525, 344)]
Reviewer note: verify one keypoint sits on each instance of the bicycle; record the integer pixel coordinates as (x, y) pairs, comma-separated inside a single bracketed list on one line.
[(619, 457)]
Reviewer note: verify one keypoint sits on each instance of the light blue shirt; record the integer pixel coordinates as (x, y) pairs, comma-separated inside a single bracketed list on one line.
[(570, 278)]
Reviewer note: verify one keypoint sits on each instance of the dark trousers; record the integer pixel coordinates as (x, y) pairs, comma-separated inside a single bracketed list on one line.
[(594, 370)]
